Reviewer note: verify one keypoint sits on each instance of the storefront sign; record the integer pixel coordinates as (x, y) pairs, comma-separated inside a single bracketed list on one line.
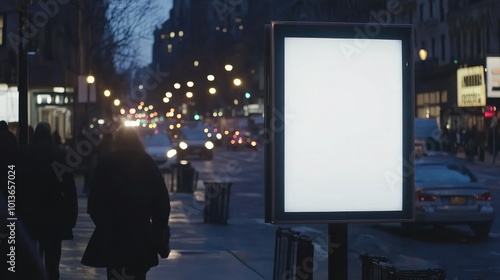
[(471, 90), (493, 77), (9, 104)]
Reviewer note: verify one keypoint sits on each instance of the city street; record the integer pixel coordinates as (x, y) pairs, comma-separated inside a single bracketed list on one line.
[(245, 247)]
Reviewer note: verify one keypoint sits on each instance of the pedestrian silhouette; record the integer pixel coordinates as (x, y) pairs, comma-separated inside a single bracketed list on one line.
[(47, 197), (130, 207)]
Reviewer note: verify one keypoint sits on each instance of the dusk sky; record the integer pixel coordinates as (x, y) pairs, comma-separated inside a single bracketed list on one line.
[(147, 44)]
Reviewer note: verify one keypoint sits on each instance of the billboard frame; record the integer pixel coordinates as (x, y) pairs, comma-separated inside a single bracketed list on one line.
[(277, 31)]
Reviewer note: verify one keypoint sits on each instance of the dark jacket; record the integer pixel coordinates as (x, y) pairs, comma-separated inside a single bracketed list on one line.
[(129, 205), (48, 201)]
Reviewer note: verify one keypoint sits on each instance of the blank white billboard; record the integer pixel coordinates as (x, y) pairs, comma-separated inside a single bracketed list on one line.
[(340, 110), (343, 136)]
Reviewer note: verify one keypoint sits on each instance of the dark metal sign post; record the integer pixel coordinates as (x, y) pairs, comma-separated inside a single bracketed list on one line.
[(22, 73), (338, 266)]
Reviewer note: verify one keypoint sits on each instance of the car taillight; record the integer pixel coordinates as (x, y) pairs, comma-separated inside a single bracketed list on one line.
[(483, 197), (421, 196)]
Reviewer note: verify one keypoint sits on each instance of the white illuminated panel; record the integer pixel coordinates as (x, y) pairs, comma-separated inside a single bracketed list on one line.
[(343, 125)]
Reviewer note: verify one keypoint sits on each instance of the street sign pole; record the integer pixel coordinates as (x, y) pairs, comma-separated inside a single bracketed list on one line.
[(22, 73), (337, 251), (494, 128)]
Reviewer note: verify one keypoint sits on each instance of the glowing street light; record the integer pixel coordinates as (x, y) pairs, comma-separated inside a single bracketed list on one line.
[(212, 90), (190, 84), (422, 53), (211, 78), (117, 102), (107, 93), (90, 79), (237, 82), (189, 94), (168, 94), (228, 67), (166, 100), (177, 86)]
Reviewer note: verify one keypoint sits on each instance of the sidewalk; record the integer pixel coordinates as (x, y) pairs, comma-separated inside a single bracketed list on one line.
[(238, 250), (487, 162)]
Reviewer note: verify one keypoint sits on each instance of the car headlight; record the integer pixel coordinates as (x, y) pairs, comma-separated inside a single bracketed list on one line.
[(183, 145), (171, 153), (209, 145)]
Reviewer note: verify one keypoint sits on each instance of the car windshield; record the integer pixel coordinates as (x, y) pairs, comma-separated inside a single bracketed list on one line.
[(157, 140), (442, 173), (194, 134)]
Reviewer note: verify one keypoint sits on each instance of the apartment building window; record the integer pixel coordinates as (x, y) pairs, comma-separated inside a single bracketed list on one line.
[(431, 9), (441, 10), (421, 12), (479, 38), (433, 46), (443, 48), (1, 29)]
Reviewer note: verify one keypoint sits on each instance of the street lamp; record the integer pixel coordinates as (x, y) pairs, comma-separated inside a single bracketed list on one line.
[(237, 82), (228, 67), (107, 93), (422, 53), (117, 102), (90, 81)]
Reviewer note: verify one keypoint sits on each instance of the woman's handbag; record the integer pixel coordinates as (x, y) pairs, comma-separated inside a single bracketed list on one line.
[(163, 247)]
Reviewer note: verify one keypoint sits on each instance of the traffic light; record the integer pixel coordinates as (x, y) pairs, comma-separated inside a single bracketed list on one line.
[(247, 95), (489, 111)]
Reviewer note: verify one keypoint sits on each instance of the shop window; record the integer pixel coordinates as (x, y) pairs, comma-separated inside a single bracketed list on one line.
[(444, 96), (421, 112), (420, 99), (432, 97), (426, 98)]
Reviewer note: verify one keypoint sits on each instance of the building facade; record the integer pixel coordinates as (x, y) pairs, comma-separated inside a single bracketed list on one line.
[(52, 64), (452, 37)]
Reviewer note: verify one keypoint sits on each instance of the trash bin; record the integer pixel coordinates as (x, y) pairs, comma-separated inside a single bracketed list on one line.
[(217, 195), (376, 268), (183, 177)]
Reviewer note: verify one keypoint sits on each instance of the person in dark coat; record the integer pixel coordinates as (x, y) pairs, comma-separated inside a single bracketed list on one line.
[(130, 207), (47, 197)]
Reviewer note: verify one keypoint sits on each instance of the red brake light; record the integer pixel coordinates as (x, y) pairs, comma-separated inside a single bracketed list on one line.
[(484, 197), (421, 196)]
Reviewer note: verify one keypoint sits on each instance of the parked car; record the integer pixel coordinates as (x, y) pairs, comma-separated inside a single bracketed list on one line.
[(160, 147), (193, 141), (242, 140), (447, 192)]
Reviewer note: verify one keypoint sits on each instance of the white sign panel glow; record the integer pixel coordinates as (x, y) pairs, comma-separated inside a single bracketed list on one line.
[(471, 91), (344, 119), (493, 76)]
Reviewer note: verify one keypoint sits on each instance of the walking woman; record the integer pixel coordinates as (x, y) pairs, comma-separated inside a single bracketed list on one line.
[(130, 206), (47, 197)]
